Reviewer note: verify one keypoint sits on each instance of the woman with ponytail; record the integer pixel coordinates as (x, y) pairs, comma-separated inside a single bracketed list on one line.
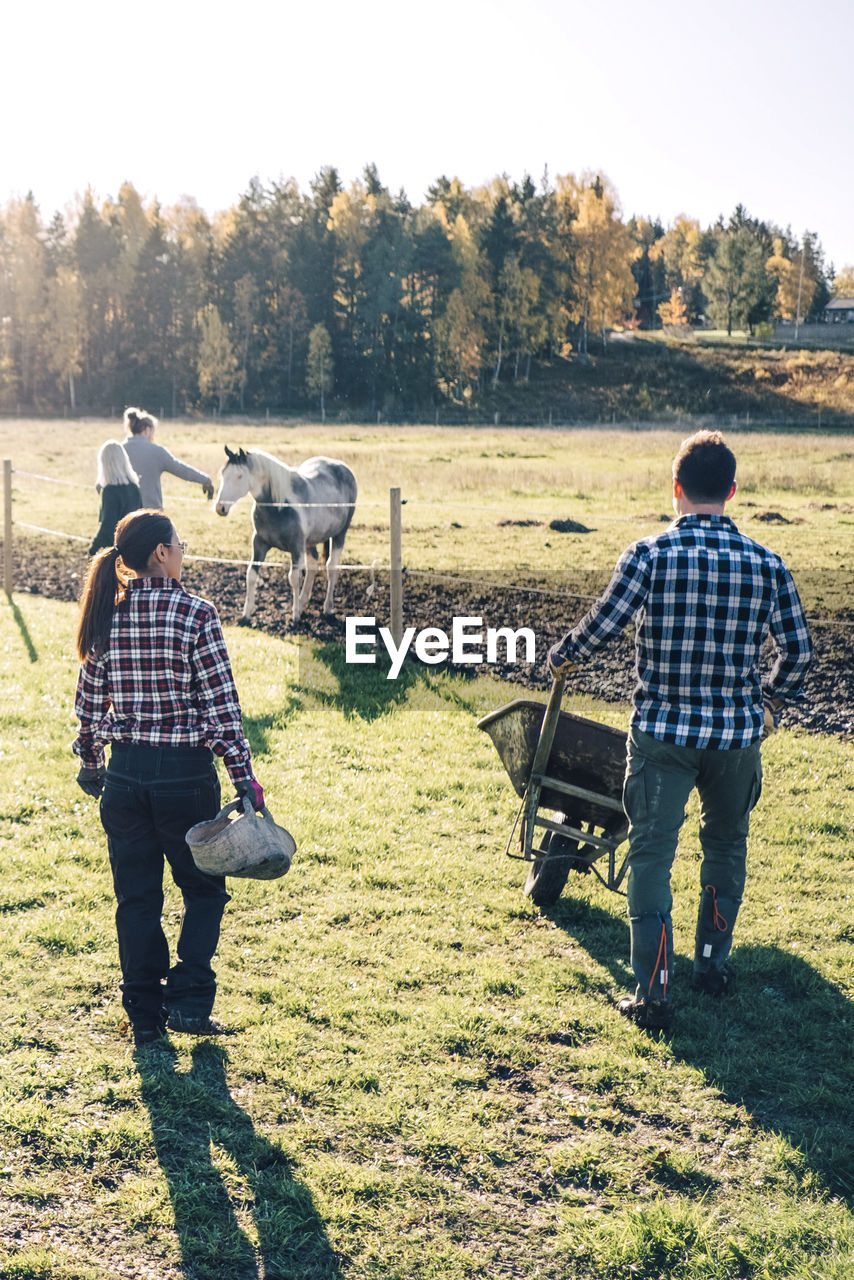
[(156, 684), (150, 460)]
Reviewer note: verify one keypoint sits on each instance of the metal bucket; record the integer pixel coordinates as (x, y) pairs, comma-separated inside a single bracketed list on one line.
[(250, 845)]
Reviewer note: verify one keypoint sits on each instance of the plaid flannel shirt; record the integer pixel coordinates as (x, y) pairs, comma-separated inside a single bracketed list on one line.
[(703, 598), (165, 680)]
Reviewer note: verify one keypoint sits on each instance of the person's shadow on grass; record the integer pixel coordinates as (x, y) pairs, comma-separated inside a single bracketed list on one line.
[(363, 691), (197, 1126), (781, 1044)]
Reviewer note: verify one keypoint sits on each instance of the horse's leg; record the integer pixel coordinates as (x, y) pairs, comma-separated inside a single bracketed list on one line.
[(295, 579), (259, 553), (336, 546), (312, 564)]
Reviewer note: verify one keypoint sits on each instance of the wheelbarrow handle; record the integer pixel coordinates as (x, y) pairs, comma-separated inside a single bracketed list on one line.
[(547, 732)]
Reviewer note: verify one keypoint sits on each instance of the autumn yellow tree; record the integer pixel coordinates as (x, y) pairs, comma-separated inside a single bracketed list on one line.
[(521, 326), (461, 330), (603, 250), (673, 312), (65, 330), (679, 254), (350, 219), (843, 283), (131, 224), (25, 287), (190, 230), (218, 368), (796, 281), (679, 249)]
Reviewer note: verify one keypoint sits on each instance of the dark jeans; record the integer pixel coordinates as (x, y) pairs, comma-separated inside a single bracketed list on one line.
[(660, 776), (152, 796)]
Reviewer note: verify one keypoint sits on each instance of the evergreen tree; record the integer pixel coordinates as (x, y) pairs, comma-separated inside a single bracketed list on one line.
[(95, 253), (432, 275), (739, 289), (245, 306), (320, 368), (648, 269), (128, 302), (218, 365), (189, 251), (312, 263), (26, 292)]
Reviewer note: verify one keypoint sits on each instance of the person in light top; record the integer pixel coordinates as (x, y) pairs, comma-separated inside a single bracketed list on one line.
[(150, 460)]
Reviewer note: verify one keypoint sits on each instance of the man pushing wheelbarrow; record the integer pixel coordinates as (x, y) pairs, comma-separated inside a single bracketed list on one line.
[(703, 598)]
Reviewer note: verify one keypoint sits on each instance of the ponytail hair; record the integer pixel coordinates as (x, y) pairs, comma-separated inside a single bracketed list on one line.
[(137, 421), (137, 536)]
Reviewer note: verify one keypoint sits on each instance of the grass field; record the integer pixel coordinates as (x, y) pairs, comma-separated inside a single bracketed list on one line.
[(428, 1077), (462, 487)]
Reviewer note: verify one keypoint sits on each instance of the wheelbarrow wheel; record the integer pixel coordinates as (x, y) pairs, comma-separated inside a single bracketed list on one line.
[(550, 870)]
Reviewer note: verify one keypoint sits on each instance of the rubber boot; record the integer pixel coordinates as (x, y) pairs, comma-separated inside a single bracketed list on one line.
[(715, 922), (652, 955)]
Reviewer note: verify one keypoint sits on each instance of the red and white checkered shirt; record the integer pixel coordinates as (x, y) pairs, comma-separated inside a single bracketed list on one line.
[(165, 680)]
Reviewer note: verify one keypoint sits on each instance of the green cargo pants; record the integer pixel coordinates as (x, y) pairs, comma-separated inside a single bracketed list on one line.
[(660, 776)]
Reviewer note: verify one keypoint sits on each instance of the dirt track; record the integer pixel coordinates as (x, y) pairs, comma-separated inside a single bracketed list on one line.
[(56, 571)]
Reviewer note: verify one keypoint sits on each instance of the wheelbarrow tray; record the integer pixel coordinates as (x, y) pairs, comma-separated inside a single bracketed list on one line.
[(584, 753), (573, 766)]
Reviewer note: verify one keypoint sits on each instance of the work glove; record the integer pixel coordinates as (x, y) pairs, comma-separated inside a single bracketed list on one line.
[(208, 489), (773, 712), (558, 663), (92, 780), (254, 791)]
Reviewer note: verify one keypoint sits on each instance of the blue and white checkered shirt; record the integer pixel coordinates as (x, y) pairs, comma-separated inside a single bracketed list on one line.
[(703, 598)]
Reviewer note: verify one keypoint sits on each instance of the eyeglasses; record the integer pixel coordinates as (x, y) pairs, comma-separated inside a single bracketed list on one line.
[(182, 545)]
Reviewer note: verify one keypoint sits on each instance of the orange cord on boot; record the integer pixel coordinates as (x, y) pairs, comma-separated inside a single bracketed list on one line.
[(662, 953), (717, 919)]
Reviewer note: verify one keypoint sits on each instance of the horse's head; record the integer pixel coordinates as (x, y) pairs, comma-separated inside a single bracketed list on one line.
[(233, 481)]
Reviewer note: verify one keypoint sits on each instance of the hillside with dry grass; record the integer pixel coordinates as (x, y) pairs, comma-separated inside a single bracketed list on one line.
[(650, 378)]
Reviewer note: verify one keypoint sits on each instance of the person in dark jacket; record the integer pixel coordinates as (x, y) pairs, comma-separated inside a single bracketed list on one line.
[(118, 485)]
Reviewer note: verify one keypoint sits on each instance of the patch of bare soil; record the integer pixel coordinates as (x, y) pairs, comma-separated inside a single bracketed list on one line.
[(434, 600)]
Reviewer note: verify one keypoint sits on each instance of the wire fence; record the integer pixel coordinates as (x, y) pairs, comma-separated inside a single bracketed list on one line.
[(244, 561), (378, 565)]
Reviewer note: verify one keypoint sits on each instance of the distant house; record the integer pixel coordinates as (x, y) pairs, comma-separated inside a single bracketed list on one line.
[(839, 311)]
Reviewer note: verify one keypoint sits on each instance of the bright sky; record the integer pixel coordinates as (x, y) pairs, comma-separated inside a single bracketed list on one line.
[(686, 107)]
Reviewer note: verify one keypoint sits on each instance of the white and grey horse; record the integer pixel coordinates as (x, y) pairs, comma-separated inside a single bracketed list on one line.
[(296, 509)]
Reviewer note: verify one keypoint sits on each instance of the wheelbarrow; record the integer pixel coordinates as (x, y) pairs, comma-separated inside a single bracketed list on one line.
[(575, 768)]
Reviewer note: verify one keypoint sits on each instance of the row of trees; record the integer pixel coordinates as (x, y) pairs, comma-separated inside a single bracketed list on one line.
[(359, 293)]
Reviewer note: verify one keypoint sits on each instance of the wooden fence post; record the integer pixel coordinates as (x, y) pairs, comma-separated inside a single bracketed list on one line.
[(7, 525), (396, 570)]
